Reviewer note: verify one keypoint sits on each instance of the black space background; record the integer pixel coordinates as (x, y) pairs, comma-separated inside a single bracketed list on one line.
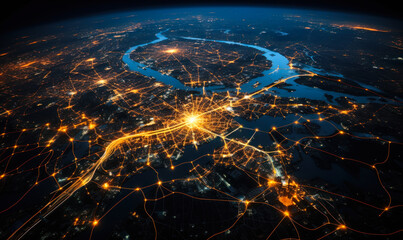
[(17, 14)]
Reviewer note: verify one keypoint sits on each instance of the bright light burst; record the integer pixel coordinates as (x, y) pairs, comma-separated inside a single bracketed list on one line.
[(192, 119), (171, 51)]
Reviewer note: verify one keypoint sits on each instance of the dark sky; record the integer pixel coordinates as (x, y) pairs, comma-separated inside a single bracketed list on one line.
[(18, 14)]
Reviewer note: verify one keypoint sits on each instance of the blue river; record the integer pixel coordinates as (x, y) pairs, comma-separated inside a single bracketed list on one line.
[(281, 68)]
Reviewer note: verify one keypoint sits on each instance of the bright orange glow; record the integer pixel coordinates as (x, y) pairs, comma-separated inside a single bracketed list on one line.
[(286, 201), (192, 119), (359, 27), (272, 183), (172, 50)]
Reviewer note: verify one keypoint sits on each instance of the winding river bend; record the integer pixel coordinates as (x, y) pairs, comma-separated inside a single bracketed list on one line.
[(280, 69)]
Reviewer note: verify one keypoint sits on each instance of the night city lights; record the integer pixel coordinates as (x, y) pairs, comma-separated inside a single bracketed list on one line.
[(195, 124)]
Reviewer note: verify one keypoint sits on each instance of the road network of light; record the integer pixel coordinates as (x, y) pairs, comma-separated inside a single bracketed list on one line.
[(172, 125)]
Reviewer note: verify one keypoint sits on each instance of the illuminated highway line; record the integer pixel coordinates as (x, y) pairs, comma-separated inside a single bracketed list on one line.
[(87, 177)]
